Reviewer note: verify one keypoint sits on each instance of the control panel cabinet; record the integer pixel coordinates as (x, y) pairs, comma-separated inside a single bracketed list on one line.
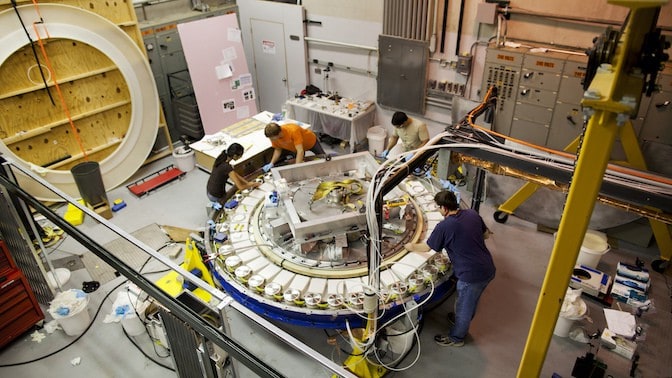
[(536, 96), (567, 122), (502, 69)]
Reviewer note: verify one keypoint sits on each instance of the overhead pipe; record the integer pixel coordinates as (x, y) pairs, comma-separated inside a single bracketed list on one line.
[(459, 29), (444, 23), (432, 38)]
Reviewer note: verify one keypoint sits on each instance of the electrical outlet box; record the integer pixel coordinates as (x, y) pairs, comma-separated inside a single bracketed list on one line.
[(464, 64), (486, 13)]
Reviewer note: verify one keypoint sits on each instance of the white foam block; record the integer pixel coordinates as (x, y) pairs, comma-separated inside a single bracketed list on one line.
[(335, 286), (237, 237), (300, 283), (258, 264), (249, 255), (284, 278), (434, 216), (258, 194), (241, 245), (249, 202), (354, 285), (317, 285), (408, 264), (270, 271), (387, 277)]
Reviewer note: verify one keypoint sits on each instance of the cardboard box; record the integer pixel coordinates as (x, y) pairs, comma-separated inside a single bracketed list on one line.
[(639, 285), (632, 271), (590, 280), (618, 344), (628, 295)]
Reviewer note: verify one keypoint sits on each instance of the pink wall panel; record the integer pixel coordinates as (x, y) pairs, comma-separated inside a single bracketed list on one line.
[(218, 69)]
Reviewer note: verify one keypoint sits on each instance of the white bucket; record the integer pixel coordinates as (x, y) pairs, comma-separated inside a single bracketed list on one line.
[(376, 137), (594, 246), (76, 321), (565, 323), (132, 325), (185, 160)]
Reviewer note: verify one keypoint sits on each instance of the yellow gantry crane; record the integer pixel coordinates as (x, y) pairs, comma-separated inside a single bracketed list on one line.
[(625, 64)]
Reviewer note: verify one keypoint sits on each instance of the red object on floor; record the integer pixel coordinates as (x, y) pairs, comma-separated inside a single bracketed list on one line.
[(156, 180)]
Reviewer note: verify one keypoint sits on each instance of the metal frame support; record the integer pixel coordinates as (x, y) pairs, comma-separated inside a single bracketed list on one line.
[(607, 88)]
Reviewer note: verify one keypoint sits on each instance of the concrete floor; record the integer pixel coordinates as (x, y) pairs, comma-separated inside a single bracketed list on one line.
[(493, 349)]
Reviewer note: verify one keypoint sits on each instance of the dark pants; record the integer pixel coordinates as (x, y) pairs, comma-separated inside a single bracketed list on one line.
[(316, 149), (468, 295)]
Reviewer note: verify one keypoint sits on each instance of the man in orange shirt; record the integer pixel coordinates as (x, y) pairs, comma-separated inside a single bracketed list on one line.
[(291, 138)]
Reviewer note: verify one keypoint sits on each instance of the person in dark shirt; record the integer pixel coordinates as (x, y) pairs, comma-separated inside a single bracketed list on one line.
[(462, 234), (222, 171)]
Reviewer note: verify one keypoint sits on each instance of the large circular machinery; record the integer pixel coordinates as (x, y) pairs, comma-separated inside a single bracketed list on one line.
[(113, 101), (295, 249)]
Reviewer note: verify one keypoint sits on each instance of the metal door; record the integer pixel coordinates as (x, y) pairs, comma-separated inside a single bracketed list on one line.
[(270, 64)]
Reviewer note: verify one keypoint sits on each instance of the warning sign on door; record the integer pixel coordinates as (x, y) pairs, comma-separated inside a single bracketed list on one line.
[(268, 47)]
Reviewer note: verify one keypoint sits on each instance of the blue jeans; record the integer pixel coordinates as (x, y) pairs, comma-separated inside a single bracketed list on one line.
[(468, 294)]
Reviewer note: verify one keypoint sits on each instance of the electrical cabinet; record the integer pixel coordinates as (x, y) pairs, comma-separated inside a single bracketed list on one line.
[(656, 133), (536, 96), (539, 101), (656, 126), (19, 310), (502, 69), (402, 73), (567, 122)]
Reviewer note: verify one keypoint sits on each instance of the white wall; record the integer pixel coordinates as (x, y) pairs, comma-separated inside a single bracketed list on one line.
[(360, 22)]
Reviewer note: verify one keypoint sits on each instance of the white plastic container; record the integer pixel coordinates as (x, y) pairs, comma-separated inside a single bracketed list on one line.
[(376, 136), (185, 160), (573, 308), (594, 246), (77, 319)]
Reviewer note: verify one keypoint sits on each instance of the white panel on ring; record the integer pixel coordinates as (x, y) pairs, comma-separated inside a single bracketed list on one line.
[(258, 264), (68, 22), (249, 255), (284, 278), (270, 271), (387, 278), (300, 283), (317, 286), (354, 285)]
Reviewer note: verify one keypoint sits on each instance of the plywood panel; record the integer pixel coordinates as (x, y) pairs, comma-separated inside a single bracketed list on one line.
[(20, 73), (22, 113), (99, 129), (118, 11)]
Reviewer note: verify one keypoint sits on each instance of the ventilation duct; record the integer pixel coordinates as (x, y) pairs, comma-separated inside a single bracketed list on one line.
[(410, 19)]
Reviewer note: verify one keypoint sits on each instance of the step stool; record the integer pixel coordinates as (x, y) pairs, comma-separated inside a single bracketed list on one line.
[(156, 180)]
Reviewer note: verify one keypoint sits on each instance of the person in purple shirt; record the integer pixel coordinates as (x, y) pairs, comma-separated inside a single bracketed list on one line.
[(462, 234)]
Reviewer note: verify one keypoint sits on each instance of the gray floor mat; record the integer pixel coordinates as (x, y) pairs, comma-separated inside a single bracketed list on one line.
[(133, 256)]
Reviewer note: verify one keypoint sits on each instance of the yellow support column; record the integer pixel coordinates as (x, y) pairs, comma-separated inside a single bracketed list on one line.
[(634, 155), (606, 98), (528, 189), (517, 199)]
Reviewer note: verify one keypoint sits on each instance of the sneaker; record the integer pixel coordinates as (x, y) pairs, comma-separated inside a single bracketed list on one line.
[(444, 340)]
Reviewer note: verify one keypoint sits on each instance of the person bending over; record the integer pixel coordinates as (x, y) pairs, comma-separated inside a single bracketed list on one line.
[(222, 171), (412, 133), (462, 234), (291, 138)]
